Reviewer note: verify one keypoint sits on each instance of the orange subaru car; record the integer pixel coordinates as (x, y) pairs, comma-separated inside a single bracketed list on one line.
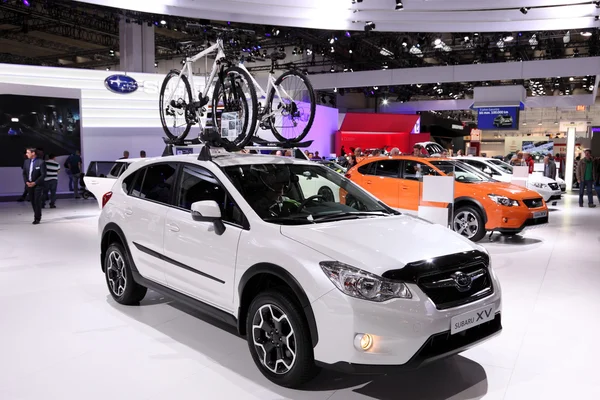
[(480, 203)]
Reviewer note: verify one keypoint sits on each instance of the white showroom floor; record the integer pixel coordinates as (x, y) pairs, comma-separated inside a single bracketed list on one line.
[(62, 336)]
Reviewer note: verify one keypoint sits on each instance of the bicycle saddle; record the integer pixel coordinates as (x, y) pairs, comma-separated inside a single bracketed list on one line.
[(277, 55)]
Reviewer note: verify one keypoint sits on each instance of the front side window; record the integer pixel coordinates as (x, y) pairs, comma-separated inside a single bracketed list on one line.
[(462, 172), (506, 168), (155, 183), (287, 193), (413, 170), (197, 184)]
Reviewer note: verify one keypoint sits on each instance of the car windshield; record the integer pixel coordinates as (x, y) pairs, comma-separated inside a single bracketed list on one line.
[(462, 172), (293, 194), (504, 167)]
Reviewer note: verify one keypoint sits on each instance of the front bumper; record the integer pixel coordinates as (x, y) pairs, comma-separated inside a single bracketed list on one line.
[(437, 347), (407, 332), (528, 224)]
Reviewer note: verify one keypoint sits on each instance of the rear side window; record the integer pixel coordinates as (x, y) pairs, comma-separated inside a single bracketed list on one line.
[(155, 183), (127, 184), (366, 169), (387, 168)]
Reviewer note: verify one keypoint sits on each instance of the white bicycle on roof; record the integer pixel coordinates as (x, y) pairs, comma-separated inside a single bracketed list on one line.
[(288, 110)]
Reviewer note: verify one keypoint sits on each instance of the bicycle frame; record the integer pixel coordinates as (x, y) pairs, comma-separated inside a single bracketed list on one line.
[(187, 70), (263, 93)]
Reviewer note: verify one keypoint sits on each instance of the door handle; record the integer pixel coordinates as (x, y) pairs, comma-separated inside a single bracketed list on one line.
[(173, 227), (128, 211), (405, 188), (369, 182)]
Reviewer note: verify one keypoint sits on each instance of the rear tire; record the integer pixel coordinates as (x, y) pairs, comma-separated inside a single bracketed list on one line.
[(280, 131), (468, 222), (179, 130), (119, 278), (279, 339), (236, 101)]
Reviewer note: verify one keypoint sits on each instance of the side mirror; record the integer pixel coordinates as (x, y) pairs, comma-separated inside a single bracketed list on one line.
[(487, 170), (208, 211)]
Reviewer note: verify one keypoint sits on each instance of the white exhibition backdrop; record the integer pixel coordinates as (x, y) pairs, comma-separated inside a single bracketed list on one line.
[(111, 122)]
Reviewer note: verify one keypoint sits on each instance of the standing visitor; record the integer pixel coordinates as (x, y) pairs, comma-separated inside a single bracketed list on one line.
[(585, 178), (26, 189), (459, 153), (395, 152), (528, 162), (73, 163), (143, 154), (34, 174), (343, 151), (125, 155), (51, 181), (549, 167), (417, 151), (597, 177)]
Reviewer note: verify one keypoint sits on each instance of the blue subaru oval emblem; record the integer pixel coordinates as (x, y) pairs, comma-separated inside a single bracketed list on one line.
[(122, 84)]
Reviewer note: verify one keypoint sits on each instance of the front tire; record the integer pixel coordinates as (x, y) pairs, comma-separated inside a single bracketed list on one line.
[(279, 339), (468, 222), (119, 278), (174, 113)]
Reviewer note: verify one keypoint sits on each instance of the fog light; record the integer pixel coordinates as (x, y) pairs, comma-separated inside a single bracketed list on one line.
[(363, 341), (505, 220)]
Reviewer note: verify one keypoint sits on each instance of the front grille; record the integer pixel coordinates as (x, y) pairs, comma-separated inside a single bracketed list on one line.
[(534, 203), (553, 186), (444, 289)]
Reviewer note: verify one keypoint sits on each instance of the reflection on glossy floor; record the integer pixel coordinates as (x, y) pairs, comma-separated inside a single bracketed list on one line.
[(62, 337)]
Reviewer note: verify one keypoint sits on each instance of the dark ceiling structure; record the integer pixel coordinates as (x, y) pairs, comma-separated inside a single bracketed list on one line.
[(80, 35)]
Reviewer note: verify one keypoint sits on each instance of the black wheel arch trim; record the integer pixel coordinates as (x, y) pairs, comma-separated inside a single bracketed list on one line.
[(284, 275), (475, 202), (112, 227)]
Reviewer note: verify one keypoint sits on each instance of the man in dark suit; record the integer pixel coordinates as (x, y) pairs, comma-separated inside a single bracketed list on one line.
[(34, 174)]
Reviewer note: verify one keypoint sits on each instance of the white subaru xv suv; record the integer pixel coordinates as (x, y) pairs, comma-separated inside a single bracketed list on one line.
[(345, 283)]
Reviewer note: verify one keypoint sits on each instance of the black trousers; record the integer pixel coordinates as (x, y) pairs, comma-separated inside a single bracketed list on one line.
[(36, 195)]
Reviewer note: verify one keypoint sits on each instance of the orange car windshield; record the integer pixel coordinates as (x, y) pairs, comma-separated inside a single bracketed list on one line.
[(462, 172)]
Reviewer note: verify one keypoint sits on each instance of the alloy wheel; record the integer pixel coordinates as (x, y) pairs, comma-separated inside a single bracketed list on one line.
[(466, 224), (115, 272), (274, 339)]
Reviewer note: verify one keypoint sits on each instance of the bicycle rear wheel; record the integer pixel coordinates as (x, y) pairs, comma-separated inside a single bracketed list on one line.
[(174, 101), (235, 106), (292, 114)]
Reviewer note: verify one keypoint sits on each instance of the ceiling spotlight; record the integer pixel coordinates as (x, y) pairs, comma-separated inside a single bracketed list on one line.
[(508, 38), (404, 43), (108, 68), (524, 10), (26, 3), (334, 90), (369, 26), (467, 38), (540, 123), (571, 79), (586, 33), (500, 44), (347, 34), (163, 22), (567, 37), (375, 87), (155, 65), (385, 102), (309, 52), (350, 51), (399, 5), (331, 40), (332, 69), (332, 50), (437, 41)]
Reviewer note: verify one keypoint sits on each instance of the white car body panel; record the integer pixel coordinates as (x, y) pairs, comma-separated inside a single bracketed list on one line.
[(375, 245)]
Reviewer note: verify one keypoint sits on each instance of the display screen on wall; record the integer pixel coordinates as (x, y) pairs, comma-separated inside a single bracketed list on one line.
[(538, 148), (498, 118), (50, 124)]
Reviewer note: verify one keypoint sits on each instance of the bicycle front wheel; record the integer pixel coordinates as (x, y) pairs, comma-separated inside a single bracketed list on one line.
[(235, 106), (292, 107), (174, 105)]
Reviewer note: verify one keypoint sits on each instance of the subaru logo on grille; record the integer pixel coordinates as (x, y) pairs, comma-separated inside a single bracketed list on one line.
[(462, 280), (121, 84)]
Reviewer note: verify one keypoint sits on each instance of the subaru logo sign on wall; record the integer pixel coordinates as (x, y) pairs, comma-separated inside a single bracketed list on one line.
[(122, 84)]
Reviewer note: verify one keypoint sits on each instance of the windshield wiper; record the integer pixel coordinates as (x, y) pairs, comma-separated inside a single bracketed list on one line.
[(303, 220), (352, 214)]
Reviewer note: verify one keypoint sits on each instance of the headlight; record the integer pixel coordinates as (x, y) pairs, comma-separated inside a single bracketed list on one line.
[(503, 201), (539, 185), (363, 285)]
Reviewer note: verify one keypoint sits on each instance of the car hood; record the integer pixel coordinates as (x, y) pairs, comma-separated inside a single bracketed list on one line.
[(515, 192), (377, 245)]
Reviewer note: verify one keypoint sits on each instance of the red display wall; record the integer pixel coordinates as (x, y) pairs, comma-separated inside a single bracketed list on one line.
[(370, 131)]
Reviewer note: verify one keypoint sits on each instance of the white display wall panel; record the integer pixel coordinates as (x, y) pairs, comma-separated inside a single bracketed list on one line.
[(111, 122)]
